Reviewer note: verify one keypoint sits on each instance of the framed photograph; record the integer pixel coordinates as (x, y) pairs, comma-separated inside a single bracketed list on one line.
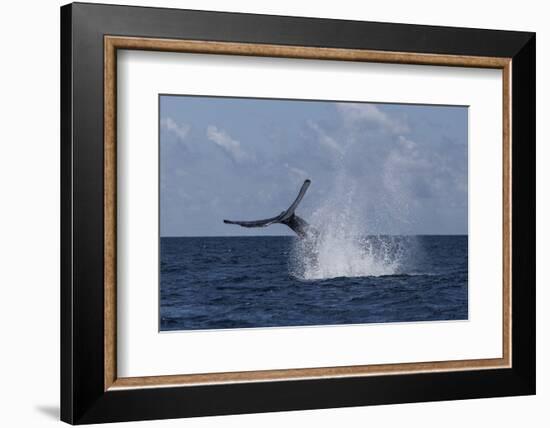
[(265, 213)]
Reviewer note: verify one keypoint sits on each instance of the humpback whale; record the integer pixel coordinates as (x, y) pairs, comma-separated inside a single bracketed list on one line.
[(301, 227)]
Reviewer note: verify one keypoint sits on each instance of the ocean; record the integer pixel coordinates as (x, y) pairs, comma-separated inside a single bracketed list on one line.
[(276, 281)]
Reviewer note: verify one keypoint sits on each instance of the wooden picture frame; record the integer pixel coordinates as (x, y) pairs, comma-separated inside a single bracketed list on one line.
[(91, 390)]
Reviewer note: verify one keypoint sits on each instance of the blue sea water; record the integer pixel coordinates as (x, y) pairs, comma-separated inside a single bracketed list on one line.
[(243, 282)]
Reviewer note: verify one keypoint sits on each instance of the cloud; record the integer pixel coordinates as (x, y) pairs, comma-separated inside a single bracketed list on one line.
[(370, 113), (180, 130), (299, 173), (325, 139), (229, 145), (406, 143)]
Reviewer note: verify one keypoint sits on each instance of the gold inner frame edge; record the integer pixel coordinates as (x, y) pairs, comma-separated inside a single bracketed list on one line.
[(113, 43)]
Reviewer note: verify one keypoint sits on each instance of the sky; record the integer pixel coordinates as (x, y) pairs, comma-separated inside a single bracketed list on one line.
[(387, 168)]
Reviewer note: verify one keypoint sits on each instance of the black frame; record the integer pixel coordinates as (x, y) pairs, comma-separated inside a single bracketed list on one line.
[(83, 399)]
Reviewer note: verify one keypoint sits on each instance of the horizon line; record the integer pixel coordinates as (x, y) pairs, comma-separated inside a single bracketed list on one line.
[(293, 236)]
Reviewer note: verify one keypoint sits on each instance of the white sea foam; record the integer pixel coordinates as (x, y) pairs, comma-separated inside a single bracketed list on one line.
[(334, 255), (343, 247)]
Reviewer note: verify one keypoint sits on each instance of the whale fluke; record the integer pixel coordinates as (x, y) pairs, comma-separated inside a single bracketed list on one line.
[(288, 217)]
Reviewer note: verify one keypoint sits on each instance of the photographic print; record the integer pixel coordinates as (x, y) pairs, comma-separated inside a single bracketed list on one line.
[(283, 212), (292, 183)]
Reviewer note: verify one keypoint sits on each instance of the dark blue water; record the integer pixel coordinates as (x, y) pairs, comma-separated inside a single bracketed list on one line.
[(240, 282)]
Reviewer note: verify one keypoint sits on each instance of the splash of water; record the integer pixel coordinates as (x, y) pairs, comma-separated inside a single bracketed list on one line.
[(334, 255), (343, 248)]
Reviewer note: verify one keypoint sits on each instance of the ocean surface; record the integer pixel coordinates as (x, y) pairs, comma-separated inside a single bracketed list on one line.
[(270, 281)]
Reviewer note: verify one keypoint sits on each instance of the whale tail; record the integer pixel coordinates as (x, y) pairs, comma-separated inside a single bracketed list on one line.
[(288, 217)]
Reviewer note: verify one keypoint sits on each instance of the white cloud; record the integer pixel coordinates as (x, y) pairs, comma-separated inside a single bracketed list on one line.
[(300, 173), (325, 139), (180, 130), (369, 113), (228, 144), (405, 142)]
